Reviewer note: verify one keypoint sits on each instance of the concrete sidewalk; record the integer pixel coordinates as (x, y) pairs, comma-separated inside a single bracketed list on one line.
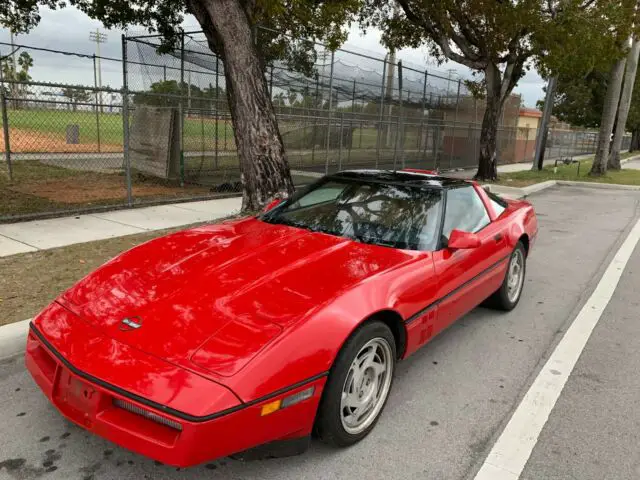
[(58, 232)]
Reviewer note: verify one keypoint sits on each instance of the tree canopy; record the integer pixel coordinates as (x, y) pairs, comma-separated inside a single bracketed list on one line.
[(168, 93), (75, 96), (579, 100), (503, 39), (19, 72)]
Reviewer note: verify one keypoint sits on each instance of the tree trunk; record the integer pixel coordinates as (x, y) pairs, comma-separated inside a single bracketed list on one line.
[(635, 140), (612, 98), (487, 162), (625, 104), (264, 168)]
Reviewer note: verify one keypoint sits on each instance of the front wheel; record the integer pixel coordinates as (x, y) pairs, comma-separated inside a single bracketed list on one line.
[(508, 295), (358, 386)]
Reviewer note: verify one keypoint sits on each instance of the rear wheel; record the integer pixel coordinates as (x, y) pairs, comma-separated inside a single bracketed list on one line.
[(508, 295), (358, 386)]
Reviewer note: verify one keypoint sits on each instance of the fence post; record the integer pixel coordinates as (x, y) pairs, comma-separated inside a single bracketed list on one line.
[(353, 97), (5, 127), (326, 157), (424, 107), (384, 76), (399, 123), (403, 131), (217, 110), (350, 137), (95, 84), (315, 123), (341, 137), (125, 123), (181, 111), (455, 121)]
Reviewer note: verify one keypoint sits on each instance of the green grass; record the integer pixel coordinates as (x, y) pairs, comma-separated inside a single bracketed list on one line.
[(199, 133), (570, 172), (55, 122)]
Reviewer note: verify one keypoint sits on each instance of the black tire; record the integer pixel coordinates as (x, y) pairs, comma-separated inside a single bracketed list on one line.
[(500, 299), (328, 426)]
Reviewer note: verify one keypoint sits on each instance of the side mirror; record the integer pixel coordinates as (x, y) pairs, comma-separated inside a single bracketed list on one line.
[(271, 205), (459, 240)]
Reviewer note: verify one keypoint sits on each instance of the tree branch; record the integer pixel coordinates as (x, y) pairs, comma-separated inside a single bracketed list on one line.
[(513, 72), (472, 61), (465, 46), (467, 30), (198, 10)]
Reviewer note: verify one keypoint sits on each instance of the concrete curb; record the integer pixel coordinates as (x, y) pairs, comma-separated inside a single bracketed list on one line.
[(609, 186), (13, 338), (538, 187), (516, 192)]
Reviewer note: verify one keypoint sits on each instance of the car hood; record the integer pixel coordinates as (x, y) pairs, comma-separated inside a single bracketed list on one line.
[(214, 296)]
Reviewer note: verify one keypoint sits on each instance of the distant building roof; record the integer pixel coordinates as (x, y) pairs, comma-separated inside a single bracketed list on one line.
[(530, 112)]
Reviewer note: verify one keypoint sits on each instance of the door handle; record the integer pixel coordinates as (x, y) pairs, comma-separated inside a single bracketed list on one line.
[(498, 237)]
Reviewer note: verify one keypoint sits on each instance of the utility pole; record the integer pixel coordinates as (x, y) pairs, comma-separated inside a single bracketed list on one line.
[(14, 88), (99, 38), (541, 135)]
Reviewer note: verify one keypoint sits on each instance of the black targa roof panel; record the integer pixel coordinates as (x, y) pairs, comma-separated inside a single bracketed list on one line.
[(399, 176)]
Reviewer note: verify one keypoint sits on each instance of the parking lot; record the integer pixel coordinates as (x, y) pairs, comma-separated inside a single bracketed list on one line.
[(451, 400)]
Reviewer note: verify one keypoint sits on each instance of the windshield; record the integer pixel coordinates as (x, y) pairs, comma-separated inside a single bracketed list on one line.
[(391, 215)]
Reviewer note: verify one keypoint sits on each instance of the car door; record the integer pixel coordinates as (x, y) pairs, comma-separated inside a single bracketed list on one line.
[(467, 277)]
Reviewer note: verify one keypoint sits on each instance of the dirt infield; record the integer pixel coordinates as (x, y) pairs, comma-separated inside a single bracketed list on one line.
[(39, 187), (33, 141), (100, 188)]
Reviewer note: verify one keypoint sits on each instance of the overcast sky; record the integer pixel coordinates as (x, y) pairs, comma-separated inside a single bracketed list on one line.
[(68, 29)]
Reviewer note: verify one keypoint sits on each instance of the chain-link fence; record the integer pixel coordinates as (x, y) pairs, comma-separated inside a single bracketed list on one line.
[(165, 134)]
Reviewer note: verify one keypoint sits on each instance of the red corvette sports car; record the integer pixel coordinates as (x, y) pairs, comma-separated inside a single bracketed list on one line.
[(246, 336)]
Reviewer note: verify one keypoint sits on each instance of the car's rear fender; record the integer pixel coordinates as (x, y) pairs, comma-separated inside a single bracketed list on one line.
[(523, 224)]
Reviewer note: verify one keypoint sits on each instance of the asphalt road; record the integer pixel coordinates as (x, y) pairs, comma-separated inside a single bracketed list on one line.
[(450, 400)]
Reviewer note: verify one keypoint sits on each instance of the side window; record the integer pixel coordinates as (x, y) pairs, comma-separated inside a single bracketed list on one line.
[(464, 211), (498, 204)]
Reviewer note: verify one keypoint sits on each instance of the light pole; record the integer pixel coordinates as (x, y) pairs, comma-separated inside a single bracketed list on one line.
[(99, 38)]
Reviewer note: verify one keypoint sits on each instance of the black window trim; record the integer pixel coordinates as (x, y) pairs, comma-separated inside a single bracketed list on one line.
[(499, 200)]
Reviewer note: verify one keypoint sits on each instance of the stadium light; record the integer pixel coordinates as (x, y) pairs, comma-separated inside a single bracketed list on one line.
[(99, 38)]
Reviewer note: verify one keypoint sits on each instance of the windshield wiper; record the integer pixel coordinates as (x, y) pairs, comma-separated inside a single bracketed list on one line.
[(373, 241)]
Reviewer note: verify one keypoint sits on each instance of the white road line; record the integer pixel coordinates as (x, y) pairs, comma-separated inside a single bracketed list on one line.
[(511, 452)]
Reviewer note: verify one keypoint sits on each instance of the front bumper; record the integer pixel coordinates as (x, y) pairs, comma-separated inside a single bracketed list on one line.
[(162, 433)]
